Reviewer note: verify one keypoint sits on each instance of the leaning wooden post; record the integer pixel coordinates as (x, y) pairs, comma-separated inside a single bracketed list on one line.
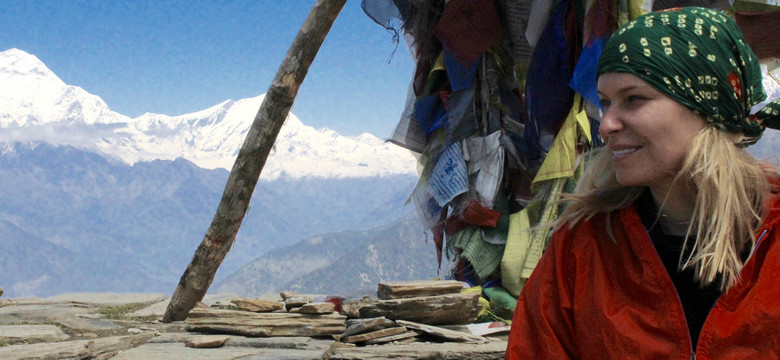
[(250, 161)]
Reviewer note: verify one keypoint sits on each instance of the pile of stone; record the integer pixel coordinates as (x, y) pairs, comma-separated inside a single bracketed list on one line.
[(404, 312), (127, 327), (433, 302), (294, 316), (380, 330)]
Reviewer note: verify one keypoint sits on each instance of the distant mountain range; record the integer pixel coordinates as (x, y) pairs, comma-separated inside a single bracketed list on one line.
[(69, 216), (91, 200), (35, 105), (346, 263)]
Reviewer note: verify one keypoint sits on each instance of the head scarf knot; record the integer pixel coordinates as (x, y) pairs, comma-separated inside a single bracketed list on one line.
[(698, 57)]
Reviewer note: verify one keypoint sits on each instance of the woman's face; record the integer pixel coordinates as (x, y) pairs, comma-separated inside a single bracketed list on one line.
[(648, 133)]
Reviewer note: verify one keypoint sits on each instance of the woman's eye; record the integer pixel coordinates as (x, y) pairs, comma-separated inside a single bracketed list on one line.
[(634, 98), (604, 104)]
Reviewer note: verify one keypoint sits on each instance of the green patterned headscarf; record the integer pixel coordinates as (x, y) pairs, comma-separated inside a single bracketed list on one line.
[(698, 57)]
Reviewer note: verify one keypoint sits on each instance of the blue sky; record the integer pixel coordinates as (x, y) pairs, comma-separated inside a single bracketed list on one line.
[(174, 57)]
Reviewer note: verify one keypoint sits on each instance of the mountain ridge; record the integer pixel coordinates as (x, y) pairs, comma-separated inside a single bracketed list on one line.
[(41, 107), (348, 263), (135, 228)]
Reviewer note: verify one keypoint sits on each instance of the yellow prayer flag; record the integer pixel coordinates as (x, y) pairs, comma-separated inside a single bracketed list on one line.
[(562, 157), (518, 243)]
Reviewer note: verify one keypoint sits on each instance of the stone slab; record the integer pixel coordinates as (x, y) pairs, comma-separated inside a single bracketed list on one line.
[(391, 338), (443, 333), (296, 301), (255, 305), (264, 324), (373, 335), (206, 341), (449, 351), (178, 351), (357, 326), (317, 308), (75, 316), (100, 348), (388, 290), (235, 348), (285, 342), (106, 299), (449, 309), (31, 333)]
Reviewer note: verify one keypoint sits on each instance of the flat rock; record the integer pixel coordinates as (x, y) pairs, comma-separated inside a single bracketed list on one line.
[(257, 305), (373, 335), (357, 326), (287, 294), (71, 350), (450, 309), (296, 301), (351, 308), (405, 289), (387, 322), (106, 299), (282, 342), (402, 336), (443, 333), (207, 341), (171, 347), (79, 317), (449, 351), (264, 324), (408, 340), (317, 308), (31, 333), (181, 352)]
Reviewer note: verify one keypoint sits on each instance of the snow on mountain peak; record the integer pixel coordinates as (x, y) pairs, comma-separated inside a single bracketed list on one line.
[(33, 95), (36, 105), (18, 61)]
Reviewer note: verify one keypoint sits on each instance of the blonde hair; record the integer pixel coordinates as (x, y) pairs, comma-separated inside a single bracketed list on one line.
[(731, 188)]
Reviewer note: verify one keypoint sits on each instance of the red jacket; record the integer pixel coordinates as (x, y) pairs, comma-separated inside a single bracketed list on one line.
[(592, 298)]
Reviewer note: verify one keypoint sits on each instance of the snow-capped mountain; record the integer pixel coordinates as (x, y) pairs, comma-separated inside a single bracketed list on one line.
[(35, 105)]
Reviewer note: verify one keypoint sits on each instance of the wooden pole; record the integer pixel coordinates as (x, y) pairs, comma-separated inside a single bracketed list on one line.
[(250, 161)]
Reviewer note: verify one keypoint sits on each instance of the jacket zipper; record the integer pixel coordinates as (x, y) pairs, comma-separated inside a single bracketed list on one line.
[(763, 234), (679, 301)]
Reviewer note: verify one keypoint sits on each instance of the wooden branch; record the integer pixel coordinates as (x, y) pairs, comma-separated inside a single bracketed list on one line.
[(250, 161)]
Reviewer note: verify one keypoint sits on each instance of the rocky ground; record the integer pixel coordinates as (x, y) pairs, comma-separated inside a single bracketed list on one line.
[(128, 326)]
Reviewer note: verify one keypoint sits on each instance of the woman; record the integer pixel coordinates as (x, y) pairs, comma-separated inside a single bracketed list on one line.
[(670, 246)]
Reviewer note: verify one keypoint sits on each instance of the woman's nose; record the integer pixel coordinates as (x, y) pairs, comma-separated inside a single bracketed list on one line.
[(610, 123)]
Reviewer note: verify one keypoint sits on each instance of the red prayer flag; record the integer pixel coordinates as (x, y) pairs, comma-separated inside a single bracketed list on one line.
[(468, 28)]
